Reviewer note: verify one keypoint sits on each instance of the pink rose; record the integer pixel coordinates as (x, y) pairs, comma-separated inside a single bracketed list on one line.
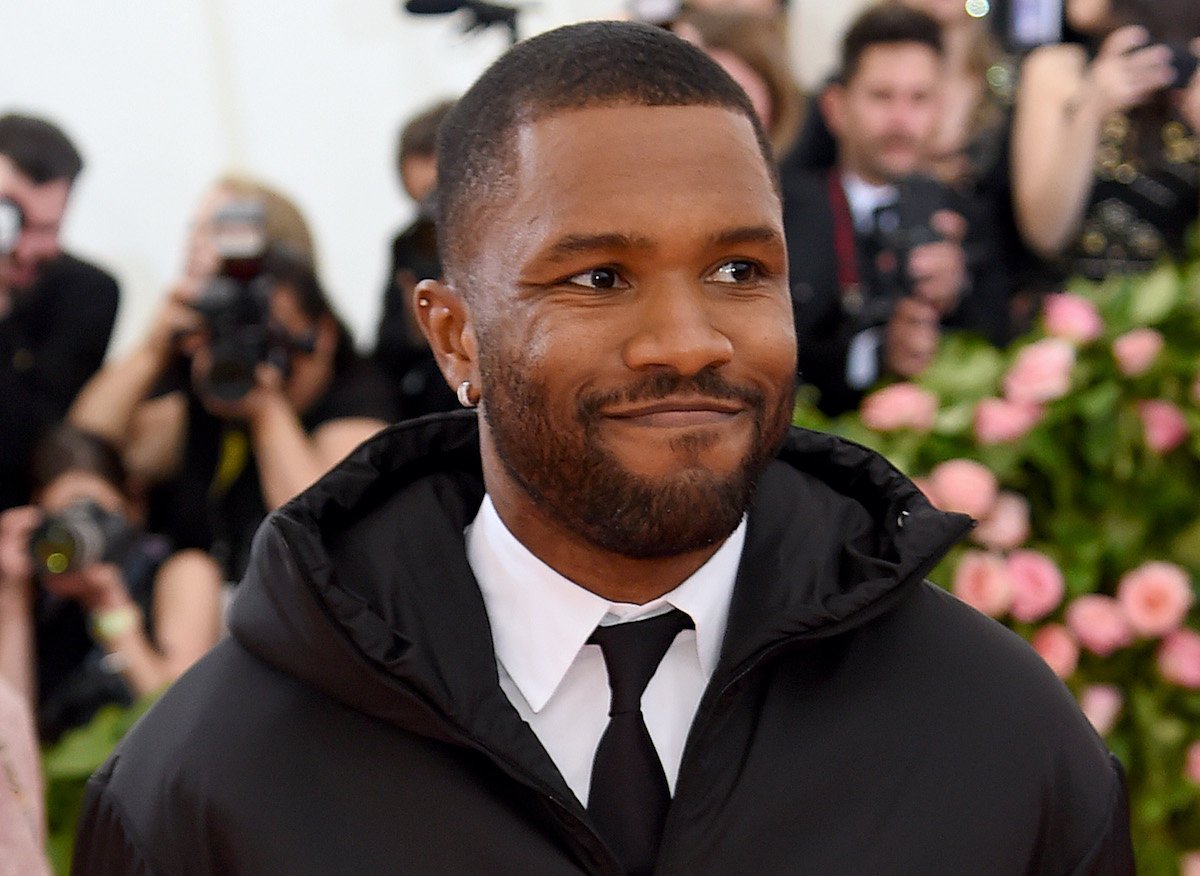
[(1058, 647), (1007, 524), (1038, 585), (1041, 372), (1099, 624), (964, 486), (1191, 763), (1156, 597), (900, 406), (1179, 658), (998, 421), (1072, 318), (1163, 425), (1189, 864), (981, 581), (1101, 703), (1136, 351)]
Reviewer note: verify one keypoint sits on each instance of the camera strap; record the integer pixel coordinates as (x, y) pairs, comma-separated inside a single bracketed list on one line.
[(845, 249)]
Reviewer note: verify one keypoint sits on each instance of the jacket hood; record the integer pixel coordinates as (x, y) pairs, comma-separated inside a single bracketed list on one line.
[(360, 586)]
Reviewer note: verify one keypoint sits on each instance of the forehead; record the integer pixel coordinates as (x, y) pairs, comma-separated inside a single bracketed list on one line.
[(897, 64), (656, 172)]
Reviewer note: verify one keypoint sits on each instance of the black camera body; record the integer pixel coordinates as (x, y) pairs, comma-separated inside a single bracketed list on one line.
[(83, 534), (899, 229), (236, 306), (1185, 64), (12, 221)]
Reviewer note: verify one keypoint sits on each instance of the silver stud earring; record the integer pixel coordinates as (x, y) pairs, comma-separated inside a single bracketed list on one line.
[(464, 394)]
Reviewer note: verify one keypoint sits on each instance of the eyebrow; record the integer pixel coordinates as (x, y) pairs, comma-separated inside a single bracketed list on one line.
[(573, 245)]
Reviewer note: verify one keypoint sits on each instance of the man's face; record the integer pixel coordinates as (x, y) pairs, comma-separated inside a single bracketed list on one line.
[(43, 206), (885, 117), (636, 353)]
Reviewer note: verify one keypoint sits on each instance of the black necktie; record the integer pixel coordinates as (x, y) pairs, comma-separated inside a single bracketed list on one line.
[(629, 796)]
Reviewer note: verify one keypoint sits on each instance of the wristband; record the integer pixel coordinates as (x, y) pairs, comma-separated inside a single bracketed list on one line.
[(113, 622)]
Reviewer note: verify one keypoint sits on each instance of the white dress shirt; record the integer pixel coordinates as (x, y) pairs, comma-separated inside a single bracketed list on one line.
[(557, 682)]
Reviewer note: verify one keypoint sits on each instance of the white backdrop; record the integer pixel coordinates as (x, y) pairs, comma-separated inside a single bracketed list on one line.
[(163, 95)]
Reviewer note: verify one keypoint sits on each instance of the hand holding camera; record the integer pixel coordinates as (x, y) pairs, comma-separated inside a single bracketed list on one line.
[(1129, 70)]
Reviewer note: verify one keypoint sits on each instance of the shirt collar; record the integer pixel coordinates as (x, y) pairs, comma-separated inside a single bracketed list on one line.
[(865, 198), (541, 620)]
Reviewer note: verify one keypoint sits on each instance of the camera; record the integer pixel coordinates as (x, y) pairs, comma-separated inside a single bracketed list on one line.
[(236, 306), (12, 220), (1185, 64), (899, 229), (81, 535)]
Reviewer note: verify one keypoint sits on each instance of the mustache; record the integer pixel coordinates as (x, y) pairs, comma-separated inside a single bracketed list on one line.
[(708, 383)]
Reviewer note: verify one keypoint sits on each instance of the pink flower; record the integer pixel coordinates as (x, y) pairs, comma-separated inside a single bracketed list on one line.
[(1099, 624), (1179, 658), (981, 581), (1058, 647), (998, 421), (900, 406), (1189, 864), (1101, 703), (1072, 318), (1136, 351), (1191, 763), (1156, 597), (964, 486), (1038, 585), (1007, 524), (1041, 373), (1163, 425)]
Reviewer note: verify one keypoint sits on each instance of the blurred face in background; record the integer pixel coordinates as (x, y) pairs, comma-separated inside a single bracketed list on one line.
[(886, 115), (43, 207), (201, 258)]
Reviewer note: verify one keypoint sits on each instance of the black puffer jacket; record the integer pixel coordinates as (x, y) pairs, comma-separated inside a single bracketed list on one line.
[(859, 721)]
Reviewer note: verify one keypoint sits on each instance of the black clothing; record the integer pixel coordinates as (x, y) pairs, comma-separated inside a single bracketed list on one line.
[(215, 502), (417, 384), (73, 678), (829, 316), (859, 719), (1140, 207), (52, 341)]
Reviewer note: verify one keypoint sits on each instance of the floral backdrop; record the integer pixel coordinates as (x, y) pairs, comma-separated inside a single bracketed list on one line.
[(1078, 451)]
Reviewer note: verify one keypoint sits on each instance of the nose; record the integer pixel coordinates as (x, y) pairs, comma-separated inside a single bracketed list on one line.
[(676, 327)]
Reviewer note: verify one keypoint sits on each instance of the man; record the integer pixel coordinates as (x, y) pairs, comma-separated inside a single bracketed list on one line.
[(56, 312), (411, 685), (400, 348), (878, 264)]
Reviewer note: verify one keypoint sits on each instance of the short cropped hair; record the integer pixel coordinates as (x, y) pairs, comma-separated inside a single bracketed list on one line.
[(594, 64), (39, 149), (419, 134), (890, 24)]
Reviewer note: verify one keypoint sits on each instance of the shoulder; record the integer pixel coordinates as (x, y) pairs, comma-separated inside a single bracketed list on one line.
[(74, 273), (359, 389)]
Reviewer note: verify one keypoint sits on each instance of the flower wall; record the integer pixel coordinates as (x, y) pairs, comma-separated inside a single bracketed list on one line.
[(1078, 451)]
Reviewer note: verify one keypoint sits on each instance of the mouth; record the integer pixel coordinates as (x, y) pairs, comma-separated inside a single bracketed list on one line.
[(678, 412)]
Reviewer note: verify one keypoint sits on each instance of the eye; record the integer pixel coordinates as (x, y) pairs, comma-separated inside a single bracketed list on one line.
[(738, 271), (598, 278)]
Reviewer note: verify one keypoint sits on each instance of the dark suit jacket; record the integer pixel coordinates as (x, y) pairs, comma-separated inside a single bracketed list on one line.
[(824, 327)]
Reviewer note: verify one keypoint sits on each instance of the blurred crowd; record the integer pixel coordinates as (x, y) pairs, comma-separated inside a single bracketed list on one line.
[(946, 178)]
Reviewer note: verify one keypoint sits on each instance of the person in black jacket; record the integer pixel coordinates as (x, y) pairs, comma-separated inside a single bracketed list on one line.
[(882, 258), (56, 311), (619, 617)]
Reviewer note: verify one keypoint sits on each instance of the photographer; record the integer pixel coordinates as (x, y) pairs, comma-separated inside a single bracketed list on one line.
[(56, 311), (877, 264), (93, 610), (1106, 138), (227, 410)]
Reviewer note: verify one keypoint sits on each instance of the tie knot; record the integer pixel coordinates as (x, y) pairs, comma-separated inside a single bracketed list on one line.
[(632, 652)]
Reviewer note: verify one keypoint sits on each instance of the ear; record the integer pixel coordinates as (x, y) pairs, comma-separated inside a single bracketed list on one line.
[(445, 319), (832, 102)]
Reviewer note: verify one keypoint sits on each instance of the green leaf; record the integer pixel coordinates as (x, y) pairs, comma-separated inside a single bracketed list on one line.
[(1155, 296)]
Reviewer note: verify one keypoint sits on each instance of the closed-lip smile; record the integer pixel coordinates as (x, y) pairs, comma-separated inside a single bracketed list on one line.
[(679, 411)]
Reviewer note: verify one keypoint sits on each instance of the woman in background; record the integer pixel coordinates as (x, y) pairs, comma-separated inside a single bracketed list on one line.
[(1106, 160)]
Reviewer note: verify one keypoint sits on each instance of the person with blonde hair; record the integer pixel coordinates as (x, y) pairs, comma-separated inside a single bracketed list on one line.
[(216, 453)]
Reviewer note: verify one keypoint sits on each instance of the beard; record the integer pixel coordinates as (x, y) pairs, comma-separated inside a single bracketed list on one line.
[(569, 473)]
